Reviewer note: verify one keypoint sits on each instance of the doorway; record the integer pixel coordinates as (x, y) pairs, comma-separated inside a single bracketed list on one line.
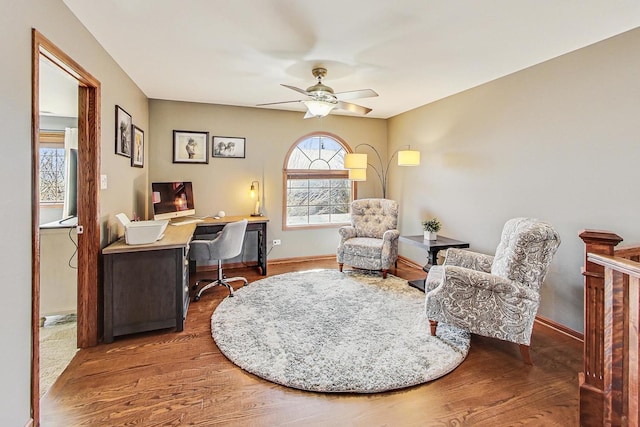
[(88, 231), (58, 149)]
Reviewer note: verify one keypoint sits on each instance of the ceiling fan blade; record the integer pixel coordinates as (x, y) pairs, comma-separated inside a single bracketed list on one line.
[(354, 108), (281, 102), (354, 94), (297, 89)]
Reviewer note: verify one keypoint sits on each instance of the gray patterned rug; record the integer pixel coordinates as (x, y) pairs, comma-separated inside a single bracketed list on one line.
[(322, 330)]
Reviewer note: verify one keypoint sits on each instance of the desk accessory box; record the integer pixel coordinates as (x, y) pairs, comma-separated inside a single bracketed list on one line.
[(142, 232)]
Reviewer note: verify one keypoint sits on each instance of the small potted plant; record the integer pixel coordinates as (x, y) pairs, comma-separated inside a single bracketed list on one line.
[(431, 228)]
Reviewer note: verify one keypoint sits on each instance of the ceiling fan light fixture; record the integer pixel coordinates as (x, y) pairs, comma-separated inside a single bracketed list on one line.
[(319, 108)]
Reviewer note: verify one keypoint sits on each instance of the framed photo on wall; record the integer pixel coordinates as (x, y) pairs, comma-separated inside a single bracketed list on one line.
[(123, 132), (137, 149), (227, 146), (190, 146)]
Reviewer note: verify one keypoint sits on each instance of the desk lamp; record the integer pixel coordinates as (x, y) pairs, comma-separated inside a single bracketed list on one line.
[(254, 193)]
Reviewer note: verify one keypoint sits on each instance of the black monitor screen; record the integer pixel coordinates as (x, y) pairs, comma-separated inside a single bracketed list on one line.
[(172, 198)]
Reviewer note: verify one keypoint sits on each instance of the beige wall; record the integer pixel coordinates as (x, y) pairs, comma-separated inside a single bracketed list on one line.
[(559, 141), (58, 24), (223, 184)]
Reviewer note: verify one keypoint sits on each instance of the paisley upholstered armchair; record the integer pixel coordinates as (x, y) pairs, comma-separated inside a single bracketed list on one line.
[(371, 241), (494, 296)]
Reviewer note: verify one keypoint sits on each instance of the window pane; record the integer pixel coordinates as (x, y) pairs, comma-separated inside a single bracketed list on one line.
[(298, 183), (319, 183), (340, 213), (52, 175), (340, 196), (297, 197), (319, 196), (299, 159), (297, 215)]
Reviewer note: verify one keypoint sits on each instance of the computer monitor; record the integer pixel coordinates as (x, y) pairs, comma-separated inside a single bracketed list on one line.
[(172, 200), (70, 205)]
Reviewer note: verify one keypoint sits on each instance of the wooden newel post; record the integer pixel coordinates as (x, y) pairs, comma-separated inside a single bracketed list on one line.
[(592, 387)]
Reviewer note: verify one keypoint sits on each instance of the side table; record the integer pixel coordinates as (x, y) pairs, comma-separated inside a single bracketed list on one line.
[(433, 247)]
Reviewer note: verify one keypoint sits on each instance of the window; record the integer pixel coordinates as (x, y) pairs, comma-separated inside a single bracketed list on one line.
[(52, 169), (318, 191)]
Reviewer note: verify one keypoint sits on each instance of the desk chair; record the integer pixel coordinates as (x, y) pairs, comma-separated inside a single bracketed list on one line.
[(226, 245)]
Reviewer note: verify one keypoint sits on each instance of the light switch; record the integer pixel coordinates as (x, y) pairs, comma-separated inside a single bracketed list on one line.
[(103, 182)]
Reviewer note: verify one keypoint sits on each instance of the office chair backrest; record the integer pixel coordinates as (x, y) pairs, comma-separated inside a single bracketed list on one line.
[(228, 244)]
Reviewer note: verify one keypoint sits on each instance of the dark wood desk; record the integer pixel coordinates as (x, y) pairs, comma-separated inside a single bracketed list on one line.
[(433, 247), (146, 287), (256, 223)]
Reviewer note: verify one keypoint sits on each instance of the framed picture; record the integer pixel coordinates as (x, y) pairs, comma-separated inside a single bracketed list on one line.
[(123, 132), (137, 149), (190, 146), (227, 146)]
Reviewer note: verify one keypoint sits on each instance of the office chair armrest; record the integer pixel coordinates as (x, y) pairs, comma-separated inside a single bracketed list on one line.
[(468, 259), (199, 250)]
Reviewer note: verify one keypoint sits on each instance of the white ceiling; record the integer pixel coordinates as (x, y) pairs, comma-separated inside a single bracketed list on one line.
[(412, 52), (58, 91)]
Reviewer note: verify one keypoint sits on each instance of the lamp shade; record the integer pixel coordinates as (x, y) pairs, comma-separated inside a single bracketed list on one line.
[(408, 158), (358, 174), (355, 161), (254, 193), (319, 108)]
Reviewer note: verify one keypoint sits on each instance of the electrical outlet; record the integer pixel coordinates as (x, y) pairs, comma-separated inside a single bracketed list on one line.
[(277, 242)]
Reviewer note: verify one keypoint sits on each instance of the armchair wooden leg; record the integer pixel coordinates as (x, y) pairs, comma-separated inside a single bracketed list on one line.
[(340, 266), (384, 274), (434, 325), (526, 356)]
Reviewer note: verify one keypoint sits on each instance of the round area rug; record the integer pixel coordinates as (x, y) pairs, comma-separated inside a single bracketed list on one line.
[(327, 331)]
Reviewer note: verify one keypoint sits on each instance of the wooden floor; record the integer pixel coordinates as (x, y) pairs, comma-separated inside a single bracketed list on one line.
[(167, 379)]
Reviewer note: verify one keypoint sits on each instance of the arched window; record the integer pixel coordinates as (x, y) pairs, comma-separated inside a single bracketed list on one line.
[(316, 186)]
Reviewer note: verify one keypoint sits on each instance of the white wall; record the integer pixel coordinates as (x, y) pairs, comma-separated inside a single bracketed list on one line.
[(223, 184), (559, 141), (58, 24)]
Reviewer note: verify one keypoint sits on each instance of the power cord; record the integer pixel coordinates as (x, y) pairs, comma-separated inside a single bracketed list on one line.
[(75, 251)]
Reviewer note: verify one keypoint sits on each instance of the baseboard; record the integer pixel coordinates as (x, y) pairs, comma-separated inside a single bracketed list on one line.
[(226, 265), (301, 259), (408, 262), (269, 262), (560, 328), (277, 261)]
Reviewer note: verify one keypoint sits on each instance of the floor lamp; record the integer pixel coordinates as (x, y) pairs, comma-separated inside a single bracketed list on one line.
[(357, 164)]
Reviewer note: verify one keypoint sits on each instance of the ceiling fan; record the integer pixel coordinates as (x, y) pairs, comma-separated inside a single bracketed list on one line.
[(322, 99)]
